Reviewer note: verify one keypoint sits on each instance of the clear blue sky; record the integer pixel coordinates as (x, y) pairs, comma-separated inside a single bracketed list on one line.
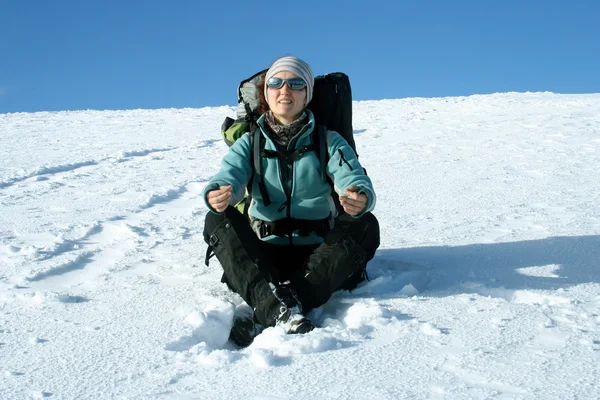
[(91, 54)]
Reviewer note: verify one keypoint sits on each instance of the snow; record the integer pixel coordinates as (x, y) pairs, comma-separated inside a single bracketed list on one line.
[(486, 284)]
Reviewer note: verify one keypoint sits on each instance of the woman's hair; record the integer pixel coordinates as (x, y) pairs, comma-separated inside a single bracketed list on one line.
[(263, 106)]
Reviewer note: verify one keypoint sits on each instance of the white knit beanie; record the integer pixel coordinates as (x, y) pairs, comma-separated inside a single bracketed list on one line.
[(296, 66)]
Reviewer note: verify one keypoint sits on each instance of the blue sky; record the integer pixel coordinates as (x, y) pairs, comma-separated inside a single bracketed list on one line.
[(73, 55)]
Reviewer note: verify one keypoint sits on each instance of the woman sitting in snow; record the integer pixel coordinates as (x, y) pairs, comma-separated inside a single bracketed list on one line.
[(289, 255)]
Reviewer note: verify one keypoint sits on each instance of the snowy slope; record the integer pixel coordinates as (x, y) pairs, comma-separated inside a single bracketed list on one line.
[(486, 285)]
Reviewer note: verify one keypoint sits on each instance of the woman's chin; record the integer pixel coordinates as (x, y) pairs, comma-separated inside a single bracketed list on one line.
[(286, 114)]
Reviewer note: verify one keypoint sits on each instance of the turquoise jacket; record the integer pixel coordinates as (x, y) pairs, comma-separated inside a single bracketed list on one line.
[(310, 195)]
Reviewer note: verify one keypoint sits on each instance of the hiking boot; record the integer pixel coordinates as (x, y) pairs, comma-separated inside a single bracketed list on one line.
[(293, 322), (290, 316), (244, 330)]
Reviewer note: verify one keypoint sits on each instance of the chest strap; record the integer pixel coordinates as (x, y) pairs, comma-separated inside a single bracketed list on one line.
[(288, 156), (257, 141)]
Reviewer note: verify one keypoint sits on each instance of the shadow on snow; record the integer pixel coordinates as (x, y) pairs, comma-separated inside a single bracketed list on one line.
[(564, 261)]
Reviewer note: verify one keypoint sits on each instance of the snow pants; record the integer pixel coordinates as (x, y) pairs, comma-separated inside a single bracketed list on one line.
[(251, 266)]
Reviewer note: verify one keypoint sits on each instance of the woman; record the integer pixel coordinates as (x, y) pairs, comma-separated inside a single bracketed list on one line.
[(308, 250)]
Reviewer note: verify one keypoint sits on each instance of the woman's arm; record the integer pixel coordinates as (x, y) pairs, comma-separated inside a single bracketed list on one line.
[(350, 181), (236, 170)]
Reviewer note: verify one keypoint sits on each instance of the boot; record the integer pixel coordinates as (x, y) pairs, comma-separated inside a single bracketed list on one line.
[(244, 329), (291, 318), (284, 309)]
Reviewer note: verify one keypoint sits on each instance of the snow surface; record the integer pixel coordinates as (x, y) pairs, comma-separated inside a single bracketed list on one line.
[(486, 285)]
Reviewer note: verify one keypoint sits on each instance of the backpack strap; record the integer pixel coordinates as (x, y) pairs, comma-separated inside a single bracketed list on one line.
[(319, 140), (258, 144)]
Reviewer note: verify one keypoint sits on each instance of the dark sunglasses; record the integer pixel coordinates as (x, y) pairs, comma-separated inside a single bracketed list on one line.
[(293, 83)]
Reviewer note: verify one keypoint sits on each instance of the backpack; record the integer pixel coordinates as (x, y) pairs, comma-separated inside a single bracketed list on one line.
[(331, 105)]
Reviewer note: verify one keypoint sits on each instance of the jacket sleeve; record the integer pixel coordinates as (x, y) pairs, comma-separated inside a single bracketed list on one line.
[(345, 170), (236, 170)]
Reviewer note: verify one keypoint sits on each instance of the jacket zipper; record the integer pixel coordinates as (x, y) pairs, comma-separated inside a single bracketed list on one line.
[(288, 193)]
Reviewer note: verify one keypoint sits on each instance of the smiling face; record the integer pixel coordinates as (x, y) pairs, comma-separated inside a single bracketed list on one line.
[(286, 104)]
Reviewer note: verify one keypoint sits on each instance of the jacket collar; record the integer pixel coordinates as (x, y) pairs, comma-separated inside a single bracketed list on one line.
[(305, 131)]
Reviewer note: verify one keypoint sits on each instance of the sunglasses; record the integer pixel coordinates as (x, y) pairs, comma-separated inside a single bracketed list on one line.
[(293, 83)]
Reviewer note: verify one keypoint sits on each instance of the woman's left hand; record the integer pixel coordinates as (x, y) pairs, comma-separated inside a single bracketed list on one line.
[(353, 202)]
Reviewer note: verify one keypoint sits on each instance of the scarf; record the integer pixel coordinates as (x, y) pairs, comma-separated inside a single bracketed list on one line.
[(285, 133)]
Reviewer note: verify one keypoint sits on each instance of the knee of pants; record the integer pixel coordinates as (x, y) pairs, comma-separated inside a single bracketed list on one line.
[(365, 230), (372, 237), (211, 222)]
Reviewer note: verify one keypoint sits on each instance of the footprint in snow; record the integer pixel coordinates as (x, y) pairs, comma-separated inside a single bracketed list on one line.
[(35, 340)]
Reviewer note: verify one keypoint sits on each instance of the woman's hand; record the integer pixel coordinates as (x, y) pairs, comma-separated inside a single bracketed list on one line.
[(353, 202), (219, 198)]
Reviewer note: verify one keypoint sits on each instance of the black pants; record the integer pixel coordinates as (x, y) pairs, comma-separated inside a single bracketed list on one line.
[(314, 271)]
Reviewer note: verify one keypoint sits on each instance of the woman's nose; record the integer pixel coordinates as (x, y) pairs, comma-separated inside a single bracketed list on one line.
[(285, 87)]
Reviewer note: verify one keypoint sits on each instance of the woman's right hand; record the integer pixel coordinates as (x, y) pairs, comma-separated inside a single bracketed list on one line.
[(219, 198)]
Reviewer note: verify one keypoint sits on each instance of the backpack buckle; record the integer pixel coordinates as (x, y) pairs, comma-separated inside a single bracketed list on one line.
[(214, 239), (265, 229)]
